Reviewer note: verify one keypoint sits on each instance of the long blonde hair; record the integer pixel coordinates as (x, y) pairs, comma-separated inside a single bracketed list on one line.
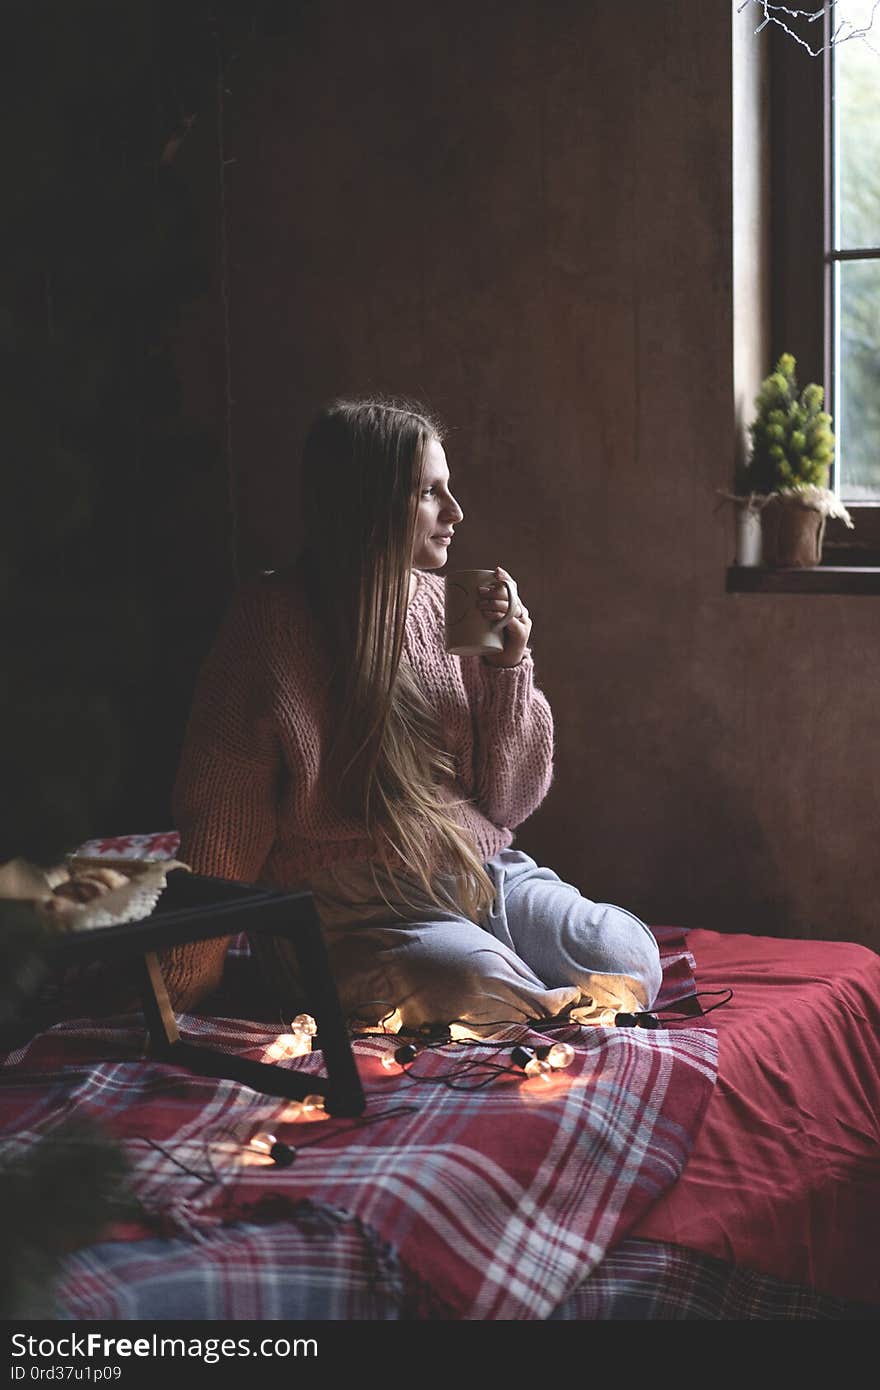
[(362, 467)]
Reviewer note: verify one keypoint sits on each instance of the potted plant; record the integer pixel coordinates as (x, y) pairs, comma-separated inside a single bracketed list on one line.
[(786, 475)]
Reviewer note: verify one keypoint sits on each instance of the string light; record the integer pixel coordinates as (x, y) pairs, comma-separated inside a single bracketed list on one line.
[(626, 1020), (288, 1045), (296, 1043), (594, 1016), (314, 1105), (397, 1060), (533, 1065), (544, 1059), (559, 1055), (539, 1066), (293, 1111), (265, 1143)]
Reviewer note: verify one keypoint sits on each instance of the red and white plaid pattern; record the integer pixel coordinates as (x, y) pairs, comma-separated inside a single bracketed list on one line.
[(329, 1267), (494, 1203), (162, 844)]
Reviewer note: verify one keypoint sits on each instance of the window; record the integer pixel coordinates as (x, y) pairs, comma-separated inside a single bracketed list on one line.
[(853, 258), (825, 217)]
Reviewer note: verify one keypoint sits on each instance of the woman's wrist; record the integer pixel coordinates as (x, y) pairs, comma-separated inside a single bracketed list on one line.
[(503, 665)]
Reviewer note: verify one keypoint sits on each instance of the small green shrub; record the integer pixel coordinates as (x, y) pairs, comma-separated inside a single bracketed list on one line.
[(792, 443)]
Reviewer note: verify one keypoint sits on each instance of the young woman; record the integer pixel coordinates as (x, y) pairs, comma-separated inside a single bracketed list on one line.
[(335, 745)]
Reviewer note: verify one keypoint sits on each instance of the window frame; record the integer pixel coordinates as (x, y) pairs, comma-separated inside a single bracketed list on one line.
[(802, 267)]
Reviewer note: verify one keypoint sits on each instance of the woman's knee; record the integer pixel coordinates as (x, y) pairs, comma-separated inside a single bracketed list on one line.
[(631, 949), (435, 976), (568, 938)]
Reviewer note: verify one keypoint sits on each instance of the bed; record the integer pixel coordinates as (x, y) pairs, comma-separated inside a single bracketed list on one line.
[(724, 1165)]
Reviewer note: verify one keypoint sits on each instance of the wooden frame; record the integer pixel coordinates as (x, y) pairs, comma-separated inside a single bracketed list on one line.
[(198, 908)]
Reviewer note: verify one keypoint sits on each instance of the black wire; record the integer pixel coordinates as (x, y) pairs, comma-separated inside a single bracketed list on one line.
[(191, 1171), (230, 1131), (359, 1123), (355, 1016), (689, 1018), (451, 1078), (453, 1082), (472, 1066), (544, 1025), (426, 1030)]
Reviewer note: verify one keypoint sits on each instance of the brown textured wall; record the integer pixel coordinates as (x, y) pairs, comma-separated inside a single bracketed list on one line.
[(522, 214)]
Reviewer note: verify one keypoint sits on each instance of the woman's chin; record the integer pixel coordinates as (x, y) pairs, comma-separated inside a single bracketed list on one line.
[(431, 559)]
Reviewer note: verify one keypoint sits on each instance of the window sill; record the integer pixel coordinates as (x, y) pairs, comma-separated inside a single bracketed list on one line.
[(824, 579)]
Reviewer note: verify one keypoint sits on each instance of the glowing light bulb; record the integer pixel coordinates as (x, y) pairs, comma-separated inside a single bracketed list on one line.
[(396, 1060), (521, 1055), (266, 1143), (292, 1112), (304, 1023), (289, 1045), (591, 1013), (538, 1066), (263, 1142), (560, 1055)]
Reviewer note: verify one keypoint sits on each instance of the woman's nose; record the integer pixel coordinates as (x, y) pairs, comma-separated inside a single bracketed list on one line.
[(453, 510)]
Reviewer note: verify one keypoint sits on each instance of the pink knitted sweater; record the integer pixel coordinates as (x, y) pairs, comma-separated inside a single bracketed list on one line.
[(250, 801)]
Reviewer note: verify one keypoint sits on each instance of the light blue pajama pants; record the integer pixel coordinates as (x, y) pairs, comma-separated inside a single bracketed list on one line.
[(541, 950)]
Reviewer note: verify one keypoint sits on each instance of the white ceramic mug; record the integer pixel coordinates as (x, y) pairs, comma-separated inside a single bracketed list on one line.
[(468, 632)]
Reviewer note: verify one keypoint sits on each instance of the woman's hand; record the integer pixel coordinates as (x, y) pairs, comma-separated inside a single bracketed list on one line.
[(493, 606)]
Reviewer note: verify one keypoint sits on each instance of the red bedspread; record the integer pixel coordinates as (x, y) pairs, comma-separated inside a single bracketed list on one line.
[(784, 1177)]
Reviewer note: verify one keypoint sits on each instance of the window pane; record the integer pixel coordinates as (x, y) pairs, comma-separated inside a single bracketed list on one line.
[(856, 406), (857, 121), (858, 387)]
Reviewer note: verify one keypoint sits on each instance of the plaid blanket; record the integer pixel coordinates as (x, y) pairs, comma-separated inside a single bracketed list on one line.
[(652, 1281), (332, 1268), (464, 1191)]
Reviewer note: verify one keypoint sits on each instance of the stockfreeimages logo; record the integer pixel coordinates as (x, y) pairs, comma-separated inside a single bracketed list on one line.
[(94, 1345)]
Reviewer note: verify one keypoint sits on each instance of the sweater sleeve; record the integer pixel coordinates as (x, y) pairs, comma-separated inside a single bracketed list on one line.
[(225, 794), (513, 739)]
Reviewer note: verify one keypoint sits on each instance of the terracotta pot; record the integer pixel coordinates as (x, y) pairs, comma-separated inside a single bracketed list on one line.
[(792, 534)]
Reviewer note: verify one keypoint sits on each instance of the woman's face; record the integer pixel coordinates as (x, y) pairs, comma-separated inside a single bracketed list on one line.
[(438, 511)]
